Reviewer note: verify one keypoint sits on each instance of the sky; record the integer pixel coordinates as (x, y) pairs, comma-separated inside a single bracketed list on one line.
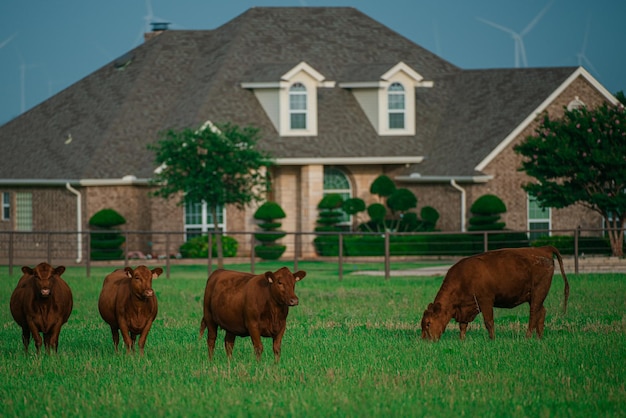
[(48, 45)]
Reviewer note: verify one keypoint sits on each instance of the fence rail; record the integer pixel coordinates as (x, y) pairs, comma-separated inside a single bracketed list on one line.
[(586, 247)]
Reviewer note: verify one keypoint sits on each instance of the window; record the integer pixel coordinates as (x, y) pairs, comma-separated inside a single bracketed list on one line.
[(397, 107), (24, 211), (336, 181), (297, 106), (6, 206), (199, 220), (538, 219)]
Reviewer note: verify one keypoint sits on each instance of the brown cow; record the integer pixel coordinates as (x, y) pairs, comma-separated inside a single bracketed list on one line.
[(128, 304), (244, 305), (41, 302), (501, 278)]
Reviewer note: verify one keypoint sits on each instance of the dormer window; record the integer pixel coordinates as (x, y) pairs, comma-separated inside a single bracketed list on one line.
[(297, 106), (396, 100)]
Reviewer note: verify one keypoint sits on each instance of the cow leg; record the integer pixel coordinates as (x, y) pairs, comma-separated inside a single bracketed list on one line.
[(255, 336), (276, 345), (47, 337), (25, 338), (116, 336), (126, 336), (487, 310), (229, 343), (541, 321), (536, 321), (463, 328), (35, 333), (144, 336), (211, 336)]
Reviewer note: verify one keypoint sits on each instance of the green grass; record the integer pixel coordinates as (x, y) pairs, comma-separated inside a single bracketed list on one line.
[(352, 348)]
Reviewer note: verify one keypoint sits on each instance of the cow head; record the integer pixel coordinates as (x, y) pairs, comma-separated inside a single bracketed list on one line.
[(141, 280), (283, 285), (44, 277), (434, 322)]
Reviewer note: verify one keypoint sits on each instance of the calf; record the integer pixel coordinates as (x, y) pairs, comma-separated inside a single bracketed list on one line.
[(128, 304), (41, 302), (503, 279), (244, 305)]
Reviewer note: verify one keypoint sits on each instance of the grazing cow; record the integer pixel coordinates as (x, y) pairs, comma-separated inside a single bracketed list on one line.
[(128, 304), (245, 304), (41, 302), (501, 278)]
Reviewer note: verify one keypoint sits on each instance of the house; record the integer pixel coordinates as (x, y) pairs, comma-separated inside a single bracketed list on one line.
[(339, 99)]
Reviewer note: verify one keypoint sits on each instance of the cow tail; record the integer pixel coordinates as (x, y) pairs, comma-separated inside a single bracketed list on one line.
[(566, 290)]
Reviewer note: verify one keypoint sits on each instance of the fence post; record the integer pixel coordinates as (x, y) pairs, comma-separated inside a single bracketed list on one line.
[(296, 248), (252, 254), (11, 253), (167, 255), (340, 256), (387, 257), (485, 241), (88, 254), (49, 247), (210, 253), (125, 248), (576, 235)]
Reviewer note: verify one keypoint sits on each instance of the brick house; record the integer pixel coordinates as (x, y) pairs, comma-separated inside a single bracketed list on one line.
[(339, 99)]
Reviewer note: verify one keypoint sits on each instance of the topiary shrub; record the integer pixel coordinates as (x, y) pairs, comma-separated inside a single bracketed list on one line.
[(198, 247), (429, 216), (105, 240), (330, 215), (486, 212), (268, 213)]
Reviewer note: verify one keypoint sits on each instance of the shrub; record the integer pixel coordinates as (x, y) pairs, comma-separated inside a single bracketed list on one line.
[(486, 212), (198, 247), (105, 240), (586, 245), (268, 213)]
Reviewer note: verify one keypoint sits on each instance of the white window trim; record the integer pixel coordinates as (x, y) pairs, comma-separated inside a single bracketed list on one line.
[(530, 221), (204, 226), (6, 204), (402, 111), (305, 111)]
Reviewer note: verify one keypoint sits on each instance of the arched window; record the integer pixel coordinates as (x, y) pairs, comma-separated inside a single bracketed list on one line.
[(297, 106), (397, 107), (336, 181)]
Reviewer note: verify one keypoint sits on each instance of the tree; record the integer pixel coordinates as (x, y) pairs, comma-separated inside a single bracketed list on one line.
[(581, 158), (217, 164)]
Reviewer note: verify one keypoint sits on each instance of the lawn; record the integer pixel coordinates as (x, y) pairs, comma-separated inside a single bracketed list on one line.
[(352, 348)]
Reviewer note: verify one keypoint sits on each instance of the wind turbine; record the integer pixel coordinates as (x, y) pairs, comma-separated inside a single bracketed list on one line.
[(582, 58), (518, 38)]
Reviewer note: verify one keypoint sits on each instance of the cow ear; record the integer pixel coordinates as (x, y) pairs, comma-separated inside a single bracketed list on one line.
[(129, 271), (299, 275), (157, 272), (59, 270), (437, 307), (27, 270), (269, 276)]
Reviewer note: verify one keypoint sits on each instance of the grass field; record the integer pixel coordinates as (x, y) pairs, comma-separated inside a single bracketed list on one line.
[(352, 348)]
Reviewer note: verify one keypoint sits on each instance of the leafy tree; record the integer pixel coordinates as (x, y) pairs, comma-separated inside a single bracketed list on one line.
[(383, 186), (218, 164), (581, 158)]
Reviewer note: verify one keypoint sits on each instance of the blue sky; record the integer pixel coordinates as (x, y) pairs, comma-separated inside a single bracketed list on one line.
[(47, 45)]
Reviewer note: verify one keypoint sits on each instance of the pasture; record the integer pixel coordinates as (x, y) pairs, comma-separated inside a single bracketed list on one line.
[(352, 348)]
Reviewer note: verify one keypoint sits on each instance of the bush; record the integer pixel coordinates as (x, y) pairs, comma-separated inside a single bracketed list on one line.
[(268, 213), (198, 247), (269, 252), (586, 245), (105, 240)]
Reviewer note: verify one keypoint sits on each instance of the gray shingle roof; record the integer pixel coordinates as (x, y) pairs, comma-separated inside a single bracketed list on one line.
[(183, 78)]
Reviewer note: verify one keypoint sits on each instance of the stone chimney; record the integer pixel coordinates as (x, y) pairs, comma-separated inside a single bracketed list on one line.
[(157, 29)]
